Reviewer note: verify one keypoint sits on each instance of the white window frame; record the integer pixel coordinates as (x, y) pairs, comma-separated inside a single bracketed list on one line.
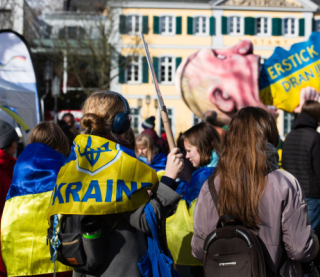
[(269, 26), (166, 33), (206, 18), (133, 24), (166, 73), (296, 26), (173, 120), (139, 116), (134, 82), (234, 25), (193, 119)]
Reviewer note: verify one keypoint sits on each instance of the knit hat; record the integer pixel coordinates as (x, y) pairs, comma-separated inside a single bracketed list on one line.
[(149, 123), (7, 134)]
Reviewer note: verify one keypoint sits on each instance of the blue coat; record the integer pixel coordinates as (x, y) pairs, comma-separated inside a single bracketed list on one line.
[(191, 190), (158, 162)]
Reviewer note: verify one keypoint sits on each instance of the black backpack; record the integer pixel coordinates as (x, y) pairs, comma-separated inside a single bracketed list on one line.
[(232, 250), (83, 241)]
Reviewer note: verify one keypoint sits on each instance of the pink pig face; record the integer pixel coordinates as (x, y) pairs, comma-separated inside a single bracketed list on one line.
[(221, 80)]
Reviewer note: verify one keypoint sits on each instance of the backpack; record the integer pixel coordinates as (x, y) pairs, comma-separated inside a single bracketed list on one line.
[(232, 249), (83, 241)]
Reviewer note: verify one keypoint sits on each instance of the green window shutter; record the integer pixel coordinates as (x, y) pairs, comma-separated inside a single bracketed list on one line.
[(178, 25), (249, 26), (190, 25), (156, 25), (276, 26), (145, 71), (178, 61), (122, 73), (212, 26), (155, 62), (145, 24), (224, 25), (301, 27), (122, 26), (314, 27)]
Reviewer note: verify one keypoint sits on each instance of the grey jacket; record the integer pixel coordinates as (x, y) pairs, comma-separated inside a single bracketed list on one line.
[(285, 230), (128, 241)]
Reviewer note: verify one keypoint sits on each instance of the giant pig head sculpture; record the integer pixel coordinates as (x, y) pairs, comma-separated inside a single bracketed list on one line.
[(224, 81)]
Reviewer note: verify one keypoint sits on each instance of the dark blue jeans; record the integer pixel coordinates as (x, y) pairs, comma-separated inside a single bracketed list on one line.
[(314, 213)]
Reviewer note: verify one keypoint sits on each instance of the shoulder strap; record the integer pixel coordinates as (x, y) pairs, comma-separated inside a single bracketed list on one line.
[(213, 195)]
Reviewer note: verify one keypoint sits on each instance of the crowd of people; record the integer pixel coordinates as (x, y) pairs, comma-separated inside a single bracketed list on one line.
[(238, 166)]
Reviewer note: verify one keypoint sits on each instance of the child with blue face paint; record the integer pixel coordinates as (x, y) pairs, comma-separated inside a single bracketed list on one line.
[(202, 145)]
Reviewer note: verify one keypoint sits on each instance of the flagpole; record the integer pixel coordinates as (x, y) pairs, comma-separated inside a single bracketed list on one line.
[(163, 108)]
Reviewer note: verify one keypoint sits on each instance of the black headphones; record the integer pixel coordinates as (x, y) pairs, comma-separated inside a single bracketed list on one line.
[(121, 122)]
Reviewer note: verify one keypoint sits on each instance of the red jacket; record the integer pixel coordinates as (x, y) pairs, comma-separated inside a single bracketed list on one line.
[(6, 172)]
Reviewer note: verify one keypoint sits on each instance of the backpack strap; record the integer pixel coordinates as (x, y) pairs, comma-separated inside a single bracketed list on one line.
[(214, 196)]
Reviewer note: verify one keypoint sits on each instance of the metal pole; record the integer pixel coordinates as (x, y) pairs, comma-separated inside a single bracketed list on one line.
[(56, 109), (42, 101)]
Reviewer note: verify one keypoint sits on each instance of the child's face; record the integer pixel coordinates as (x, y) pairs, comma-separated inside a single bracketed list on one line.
[(192, 153), (142, 150)]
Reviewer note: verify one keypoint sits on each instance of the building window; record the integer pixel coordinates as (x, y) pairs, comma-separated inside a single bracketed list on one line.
[(200, 25), (133, 24), (134, 71), (167, 65), (167, 25), (288, 119), (262, 26), (170, 116), (235, 25), (196, 119), (72, 32), (289, 27), (135, 121), (317, 25)]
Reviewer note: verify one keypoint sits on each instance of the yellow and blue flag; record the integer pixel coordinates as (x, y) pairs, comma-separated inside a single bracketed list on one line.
[(285, 73), (101, 177), (24, 221)]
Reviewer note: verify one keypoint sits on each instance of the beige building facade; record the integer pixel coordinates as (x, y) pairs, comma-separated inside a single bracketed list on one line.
[(176, 29)]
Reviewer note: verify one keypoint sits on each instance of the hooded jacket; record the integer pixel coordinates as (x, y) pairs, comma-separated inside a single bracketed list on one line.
[(301, 154)]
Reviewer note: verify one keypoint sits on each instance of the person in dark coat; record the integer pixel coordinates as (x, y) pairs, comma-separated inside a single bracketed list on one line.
[(8, 147), (148, 126), (301, 157)]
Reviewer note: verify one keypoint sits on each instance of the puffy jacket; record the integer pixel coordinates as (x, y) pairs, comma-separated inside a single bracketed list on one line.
[(285, 230), (301, 154)]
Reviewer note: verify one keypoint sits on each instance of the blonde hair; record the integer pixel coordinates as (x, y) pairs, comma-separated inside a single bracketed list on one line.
[(99, 111), (147, 141), (50, 134)]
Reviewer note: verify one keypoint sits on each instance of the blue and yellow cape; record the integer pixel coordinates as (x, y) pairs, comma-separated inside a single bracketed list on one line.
[(24, 223), (101, 177)]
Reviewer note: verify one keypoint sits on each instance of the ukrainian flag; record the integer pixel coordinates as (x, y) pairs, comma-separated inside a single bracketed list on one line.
[(101, 177), (24, 224)]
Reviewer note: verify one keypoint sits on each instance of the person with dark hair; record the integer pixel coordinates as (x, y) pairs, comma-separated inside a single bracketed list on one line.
[(70, 122), (250, 186), (24, 222), (148, 126), (8, 147), (202, 144), (301, 157)]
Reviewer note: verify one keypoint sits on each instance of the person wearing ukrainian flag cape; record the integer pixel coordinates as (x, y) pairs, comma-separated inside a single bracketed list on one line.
[(103, 177), (24, 222), (202, 145)]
